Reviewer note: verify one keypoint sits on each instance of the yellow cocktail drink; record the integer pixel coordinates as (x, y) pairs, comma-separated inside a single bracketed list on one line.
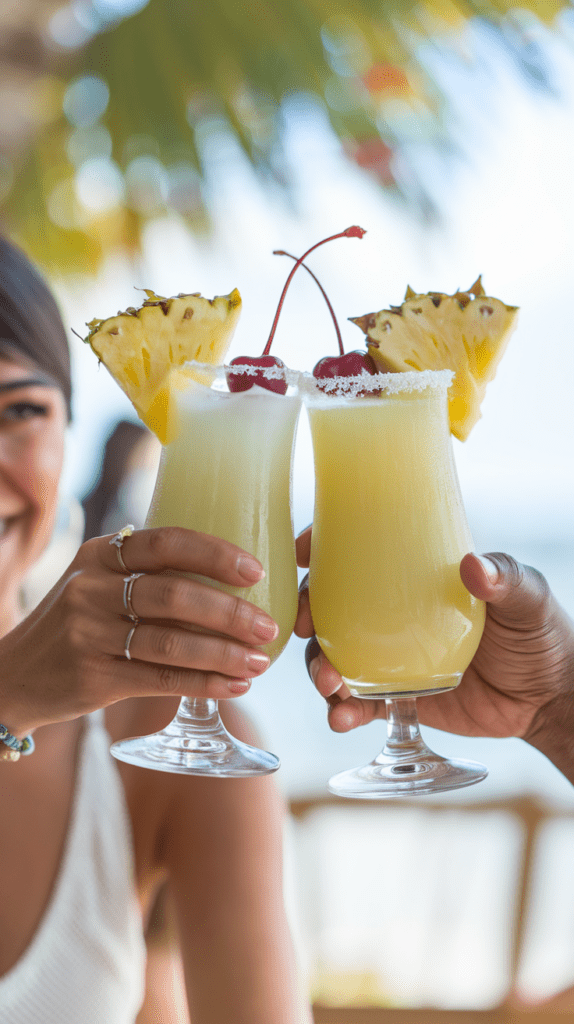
[(228, 474), (389, 531)]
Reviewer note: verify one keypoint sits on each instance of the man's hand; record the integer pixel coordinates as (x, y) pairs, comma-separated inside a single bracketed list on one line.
[(519, 683)]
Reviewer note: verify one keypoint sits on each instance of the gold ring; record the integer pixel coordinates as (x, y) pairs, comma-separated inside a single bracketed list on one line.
[(118, 540)]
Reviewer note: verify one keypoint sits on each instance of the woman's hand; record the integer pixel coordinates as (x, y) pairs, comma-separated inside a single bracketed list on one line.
[(519, 683), (67, 657)]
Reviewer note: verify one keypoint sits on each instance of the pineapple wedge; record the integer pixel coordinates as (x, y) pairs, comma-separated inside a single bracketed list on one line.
[(145, 348), (466, 332)]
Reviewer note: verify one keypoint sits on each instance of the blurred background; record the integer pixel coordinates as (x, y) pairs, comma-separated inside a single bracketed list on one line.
[(173, 145)]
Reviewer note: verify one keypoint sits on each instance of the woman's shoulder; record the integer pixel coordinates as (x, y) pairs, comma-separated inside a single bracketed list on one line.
[(139, 716)]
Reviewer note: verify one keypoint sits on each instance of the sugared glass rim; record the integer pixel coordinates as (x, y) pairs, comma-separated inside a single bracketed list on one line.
[(377, 385), (215, 377), (324, 390)]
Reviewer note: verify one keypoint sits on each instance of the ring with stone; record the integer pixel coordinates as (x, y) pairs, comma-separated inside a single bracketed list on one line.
[(118, 540)]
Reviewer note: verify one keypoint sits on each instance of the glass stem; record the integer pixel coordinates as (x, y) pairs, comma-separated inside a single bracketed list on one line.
[(403, 734), (201, 712)]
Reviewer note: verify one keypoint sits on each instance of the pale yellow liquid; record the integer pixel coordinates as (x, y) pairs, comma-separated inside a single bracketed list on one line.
[(228, 474), (389, 531)]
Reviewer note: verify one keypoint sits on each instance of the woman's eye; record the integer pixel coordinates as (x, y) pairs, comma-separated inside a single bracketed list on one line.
[(23, 411)]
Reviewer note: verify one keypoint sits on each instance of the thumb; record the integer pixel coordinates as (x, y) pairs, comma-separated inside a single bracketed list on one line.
[(519, 593), (303, 547)]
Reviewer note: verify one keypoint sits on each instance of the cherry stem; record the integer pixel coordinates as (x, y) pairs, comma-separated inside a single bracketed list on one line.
[(352, 232), (281, 252)]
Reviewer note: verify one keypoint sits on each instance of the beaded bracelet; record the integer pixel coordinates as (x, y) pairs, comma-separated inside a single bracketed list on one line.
[(14, 745)]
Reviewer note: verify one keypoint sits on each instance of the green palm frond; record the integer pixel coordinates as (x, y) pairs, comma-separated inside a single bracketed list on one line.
[(181, 70)]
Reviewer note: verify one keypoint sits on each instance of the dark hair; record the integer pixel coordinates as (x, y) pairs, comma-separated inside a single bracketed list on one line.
[(118, 448), (30, 322)]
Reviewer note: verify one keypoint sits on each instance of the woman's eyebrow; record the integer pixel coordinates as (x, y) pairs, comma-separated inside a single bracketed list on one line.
[(26, 382)]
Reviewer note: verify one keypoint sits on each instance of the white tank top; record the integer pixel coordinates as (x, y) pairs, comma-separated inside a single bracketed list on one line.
[(86, 962)]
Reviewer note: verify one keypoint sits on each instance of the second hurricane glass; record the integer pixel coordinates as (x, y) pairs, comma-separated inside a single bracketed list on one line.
[(389, 530), (228, 473)]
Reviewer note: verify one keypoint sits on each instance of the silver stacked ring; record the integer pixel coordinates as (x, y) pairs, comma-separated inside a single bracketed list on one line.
[(129, 640), (118, 541), (128, 588)]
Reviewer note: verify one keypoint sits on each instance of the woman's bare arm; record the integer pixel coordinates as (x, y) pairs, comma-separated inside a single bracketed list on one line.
[(222, 847)]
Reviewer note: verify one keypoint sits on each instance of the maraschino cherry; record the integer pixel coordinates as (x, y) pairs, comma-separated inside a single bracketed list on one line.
[(245, 381), (346, 364)]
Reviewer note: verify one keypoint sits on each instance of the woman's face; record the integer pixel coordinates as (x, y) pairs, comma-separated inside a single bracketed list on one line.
[(32, 427)]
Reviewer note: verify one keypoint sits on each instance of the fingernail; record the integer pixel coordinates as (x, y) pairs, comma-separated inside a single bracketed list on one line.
[(490, 568), (249, 568), (257, 661), (314, 667), (239, 685), (265, 628)]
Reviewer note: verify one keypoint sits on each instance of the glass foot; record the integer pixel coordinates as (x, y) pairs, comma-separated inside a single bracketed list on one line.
[(388, 776), (406, 766), (196, 743)]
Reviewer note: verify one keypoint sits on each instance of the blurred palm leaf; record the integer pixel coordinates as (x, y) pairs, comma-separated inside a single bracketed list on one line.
[(130, 118)]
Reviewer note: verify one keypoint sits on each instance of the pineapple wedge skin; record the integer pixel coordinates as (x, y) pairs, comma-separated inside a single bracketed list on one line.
[(142, 348), (466, 332)]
